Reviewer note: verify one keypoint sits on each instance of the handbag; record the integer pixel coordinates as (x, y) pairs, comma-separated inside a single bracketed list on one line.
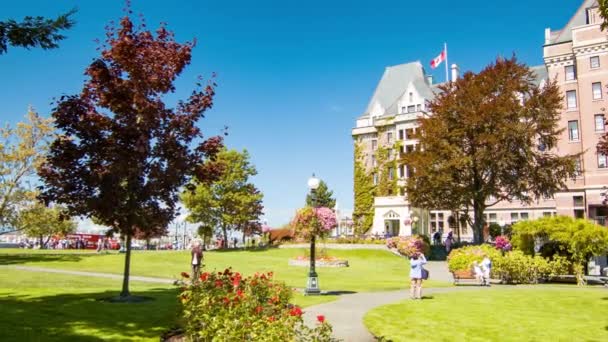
[(425, 273)]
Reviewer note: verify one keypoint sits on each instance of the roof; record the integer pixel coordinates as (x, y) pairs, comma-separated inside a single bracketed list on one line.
[(394, 83), (578, 19)]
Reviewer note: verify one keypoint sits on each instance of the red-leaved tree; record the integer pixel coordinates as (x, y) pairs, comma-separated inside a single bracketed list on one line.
[(123, 153)]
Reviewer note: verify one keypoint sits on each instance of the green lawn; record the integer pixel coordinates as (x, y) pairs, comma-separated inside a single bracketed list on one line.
[(541, 313), (370, 270), (37, 306)]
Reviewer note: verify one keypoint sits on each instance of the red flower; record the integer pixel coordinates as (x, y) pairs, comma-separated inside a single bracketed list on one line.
[(204, 276), (271, 318), (321, 318), (236, 281), (239, 293), (258, 309), (185, 275), (226, 300), (218, 283), (296, 311)]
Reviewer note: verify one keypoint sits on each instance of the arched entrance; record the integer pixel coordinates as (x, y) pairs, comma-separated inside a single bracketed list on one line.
[(391, 223)]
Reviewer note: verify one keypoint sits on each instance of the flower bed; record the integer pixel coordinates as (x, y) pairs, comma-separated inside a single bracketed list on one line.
[(304, 261), (225, 306), (408, 246)]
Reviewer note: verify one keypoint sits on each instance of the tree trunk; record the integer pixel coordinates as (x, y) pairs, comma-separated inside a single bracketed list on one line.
[(41, 241), (478, 222), (225, 231), (125, 278)]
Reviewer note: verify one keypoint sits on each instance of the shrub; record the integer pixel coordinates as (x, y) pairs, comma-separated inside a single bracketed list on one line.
[(517, 267), (409, 245), (225, 306), (462, 259)]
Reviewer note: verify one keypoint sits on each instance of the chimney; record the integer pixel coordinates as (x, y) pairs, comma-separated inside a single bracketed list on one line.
[(547, 35), (455, 71), (429, 79)]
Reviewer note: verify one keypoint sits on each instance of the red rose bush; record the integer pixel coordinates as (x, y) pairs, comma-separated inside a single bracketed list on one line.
[(225, 306)]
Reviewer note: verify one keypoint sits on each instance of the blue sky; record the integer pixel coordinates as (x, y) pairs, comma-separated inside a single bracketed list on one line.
[(292, 75)]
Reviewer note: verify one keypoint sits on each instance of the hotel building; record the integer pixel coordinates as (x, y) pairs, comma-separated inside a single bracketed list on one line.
[(576, 56)]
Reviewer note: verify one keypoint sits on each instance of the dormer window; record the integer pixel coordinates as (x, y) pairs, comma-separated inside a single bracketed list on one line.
[(411, 97), (411, 109)]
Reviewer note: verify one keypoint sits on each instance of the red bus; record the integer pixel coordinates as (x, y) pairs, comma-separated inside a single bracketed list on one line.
[(89, 241)]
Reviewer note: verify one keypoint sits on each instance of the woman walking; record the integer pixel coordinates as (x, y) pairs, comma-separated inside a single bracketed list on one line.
[(416, 270), (197, 259)]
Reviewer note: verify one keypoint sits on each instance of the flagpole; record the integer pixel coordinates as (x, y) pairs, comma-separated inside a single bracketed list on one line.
[(445, 48)]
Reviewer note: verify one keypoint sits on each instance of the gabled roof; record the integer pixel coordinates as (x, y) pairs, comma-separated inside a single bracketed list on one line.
[(394, 83), (579, 19)]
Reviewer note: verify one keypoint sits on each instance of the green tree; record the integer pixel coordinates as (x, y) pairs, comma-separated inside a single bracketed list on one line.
[(22, 151), (580, 238), (34, 32), (491, 135), (231, 202), (42, 222), (324, 197)]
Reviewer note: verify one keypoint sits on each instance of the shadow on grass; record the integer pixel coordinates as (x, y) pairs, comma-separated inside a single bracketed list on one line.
[(337, 293), (84, 317), (12, 259)]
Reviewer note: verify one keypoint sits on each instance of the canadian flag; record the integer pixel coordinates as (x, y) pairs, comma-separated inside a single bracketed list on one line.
[(437, 60)]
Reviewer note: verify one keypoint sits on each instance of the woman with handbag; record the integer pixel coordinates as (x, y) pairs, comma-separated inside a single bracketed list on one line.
[(417, 273)]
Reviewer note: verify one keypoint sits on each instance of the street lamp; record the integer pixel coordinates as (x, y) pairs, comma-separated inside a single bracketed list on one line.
[(415, 225), (312, 286)]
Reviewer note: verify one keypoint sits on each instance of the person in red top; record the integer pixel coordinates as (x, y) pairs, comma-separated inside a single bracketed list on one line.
[(196, 259)]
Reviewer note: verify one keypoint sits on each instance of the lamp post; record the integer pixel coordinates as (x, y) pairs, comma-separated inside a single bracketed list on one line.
[(415, 225), (312, 286)]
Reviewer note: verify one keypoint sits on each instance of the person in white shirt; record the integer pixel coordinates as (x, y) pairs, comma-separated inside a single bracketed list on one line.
[(478, 272), (486, 267)]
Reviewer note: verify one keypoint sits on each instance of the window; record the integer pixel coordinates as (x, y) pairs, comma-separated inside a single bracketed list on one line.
[(409, 132), (418, 108), (573, 130), (523, 216), (401, 149), (595, 62), (374, 144), (408, 171), (578, 201), (411, 97), (600, 123), (375, 179), (579, 213), (601, 161), (409, 148), (578, 169), (389, 137), (597, 90), (571, 98), (570, 75), (403, 109), (374, 162), (401, 134), (547, 213), (391, 173), (411, 109), (436, 222), (402, 191), (401, 171), (514, 217)]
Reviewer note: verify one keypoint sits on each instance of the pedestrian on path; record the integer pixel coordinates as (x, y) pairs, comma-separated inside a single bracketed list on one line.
[(197, 259), (416, 270)]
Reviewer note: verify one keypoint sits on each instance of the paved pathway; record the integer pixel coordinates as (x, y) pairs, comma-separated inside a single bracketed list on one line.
[(346, 314), (93, 274)]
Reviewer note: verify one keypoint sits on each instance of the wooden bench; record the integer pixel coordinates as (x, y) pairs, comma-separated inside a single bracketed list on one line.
[(459, 276)]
